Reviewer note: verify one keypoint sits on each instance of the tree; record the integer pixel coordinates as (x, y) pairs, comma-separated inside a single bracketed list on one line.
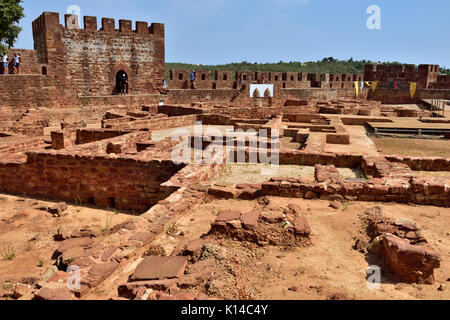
[(11, 11)]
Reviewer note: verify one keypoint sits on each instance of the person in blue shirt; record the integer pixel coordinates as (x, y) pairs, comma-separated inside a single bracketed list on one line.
[(192, 79)]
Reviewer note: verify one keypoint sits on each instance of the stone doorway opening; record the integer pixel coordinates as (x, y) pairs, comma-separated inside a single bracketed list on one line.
[(121, 87)]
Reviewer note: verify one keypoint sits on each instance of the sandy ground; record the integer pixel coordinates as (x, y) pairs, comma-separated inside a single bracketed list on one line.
[(26, 236), (159, 135), (259, 173), (360, 143), (287, 143), (330, 268), (415, 107), (413, 147), (440, 174)]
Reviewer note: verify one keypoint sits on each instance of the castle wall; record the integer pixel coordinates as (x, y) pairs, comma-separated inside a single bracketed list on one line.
[(21, 92), (179, 79), (442, 82), (87, 60), (426, 75), (403, 96)]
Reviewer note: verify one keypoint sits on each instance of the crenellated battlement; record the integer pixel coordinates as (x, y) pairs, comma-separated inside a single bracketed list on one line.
[(386, 74), (76, 54), (51, 20), (109, 25), (180, 79)]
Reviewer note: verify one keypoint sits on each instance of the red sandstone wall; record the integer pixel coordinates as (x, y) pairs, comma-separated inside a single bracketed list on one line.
[(151, 124), (403, 96), (175, 111), (223, 80), (183, 96), (11, 147), (426, 75), (87, 60), (443, 82), (121, 183), (92, 135), (21, 92), (327, 94), (134, 100)]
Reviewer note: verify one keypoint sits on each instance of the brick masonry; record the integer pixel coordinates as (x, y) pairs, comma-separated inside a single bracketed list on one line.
[(104, 52), (103, 181)]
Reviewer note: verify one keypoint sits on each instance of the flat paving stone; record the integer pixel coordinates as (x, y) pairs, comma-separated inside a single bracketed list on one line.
[(158, 268)]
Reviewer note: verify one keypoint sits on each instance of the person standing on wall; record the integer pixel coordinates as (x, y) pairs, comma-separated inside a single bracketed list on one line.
[(5, 63), (263, 81), (17, 61), (192, 78)]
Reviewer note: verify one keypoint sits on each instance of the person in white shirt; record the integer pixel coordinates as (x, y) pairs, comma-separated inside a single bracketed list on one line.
[(5, 64), (17, 60)]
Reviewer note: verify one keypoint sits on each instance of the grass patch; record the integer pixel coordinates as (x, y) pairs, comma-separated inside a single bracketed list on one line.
[(173, 230), (108, 224), (7, 286), (156, 251), (7, 252)]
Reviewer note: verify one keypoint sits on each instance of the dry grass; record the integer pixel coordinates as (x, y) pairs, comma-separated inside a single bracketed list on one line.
[(413, 147)]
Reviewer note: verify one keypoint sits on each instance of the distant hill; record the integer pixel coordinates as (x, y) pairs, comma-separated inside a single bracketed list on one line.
[(327, 65)]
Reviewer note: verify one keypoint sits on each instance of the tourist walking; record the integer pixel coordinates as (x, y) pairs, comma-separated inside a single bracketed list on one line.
[(5, 63), (192, 78)]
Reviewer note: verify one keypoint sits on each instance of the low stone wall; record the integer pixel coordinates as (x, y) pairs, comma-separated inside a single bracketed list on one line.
[(176, 111), (63, 139), (152, 124), (214, 119), (338, 139), (123, 183), (84, 136), (125, 141), (183, 96), (391, 182), (21, 92), (361, 121), (274, 124), (418, 191), (302, 117), (118, 100), (13, 145), (422, 164), (328, 94)]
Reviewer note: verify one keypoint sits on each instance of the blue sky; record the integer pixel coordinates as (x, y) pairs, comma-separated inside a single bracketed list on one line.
[(222, 31)]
